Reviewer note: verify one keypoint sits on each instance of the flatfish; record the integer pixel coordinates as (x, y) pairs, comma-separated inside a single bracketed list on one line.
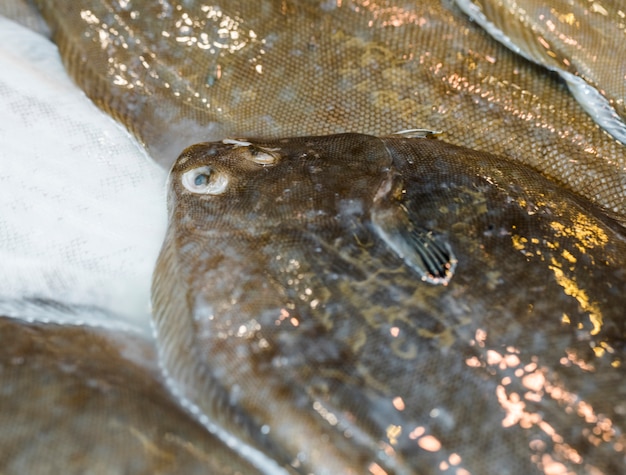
[(180, 72), (584, 42), (355, 304), (73, 402)]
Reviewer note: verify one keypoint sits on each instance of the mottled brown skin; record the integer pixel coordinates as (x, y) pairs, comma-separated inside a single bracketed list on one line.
[(585, 39), (176, 73), (286, 317), (464, 351), (72, 401)]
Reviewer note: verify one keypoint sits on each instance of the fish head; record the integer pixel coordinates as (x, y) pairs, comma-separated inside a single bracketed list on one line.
[(247, 186)]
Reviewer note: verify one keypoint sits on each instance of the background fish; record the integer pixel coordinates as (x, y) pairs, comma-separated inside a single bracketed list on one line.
[(72, 402), (351, 304), (176, 73), (584, 42)]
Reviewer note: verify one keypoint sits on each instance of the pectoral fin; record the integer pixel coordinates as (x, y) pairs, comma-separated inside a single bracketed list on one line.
[(422, 250), (428, 255)]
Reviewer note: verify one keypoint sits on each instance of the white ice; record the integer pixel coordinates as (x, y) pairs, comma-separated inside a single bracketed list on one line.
[(82, 207)]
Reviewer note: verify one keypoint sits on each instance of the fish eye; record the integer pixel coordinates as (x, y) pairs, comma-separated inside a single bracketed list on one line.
[(201, 179), (205, 181), (262, 156)]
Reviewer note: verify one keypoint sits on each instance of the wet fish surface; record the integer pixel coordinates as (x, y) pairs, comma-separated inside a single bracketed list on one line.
[(177, 73), (517, 370), (72, 402), (355, 304), (584, 42)]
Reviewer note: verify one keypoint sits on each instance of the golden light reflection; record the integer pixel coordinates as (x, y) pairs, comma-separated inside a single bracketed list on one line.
[(393, 432), (571, 288), (568, 18), (568, 256), (585, 236), (597, 429)]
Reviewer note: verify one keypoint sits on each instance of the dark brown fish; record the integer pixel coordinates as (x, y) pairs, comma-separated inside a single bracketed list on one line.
[(180, 72), (354, 304), (73, 401)]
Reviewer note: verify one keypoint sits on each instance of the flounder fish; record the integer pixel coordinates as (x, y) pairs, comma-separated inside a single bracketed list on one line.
[(583, 42), (355, 304), (73, 402), (180, 72)]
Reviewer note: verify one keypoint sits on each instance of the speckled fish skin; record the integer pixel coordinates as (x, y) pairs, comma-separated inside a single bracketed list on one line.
[(25, 13), (177, 73), (283, 312), (584, 42), (73, 401)]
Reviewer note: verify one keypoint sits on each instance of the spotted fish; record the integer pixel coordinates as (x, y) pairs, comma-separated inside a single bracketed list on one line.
[(180, 72), (583, 42), (72, 401), (385, 73), (355, 304)]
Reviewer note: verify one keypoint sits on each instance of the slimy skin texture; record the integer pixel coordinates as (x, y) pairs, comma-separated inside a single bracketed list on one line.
[(583, 42), (177, 73), (345, 304), (72, 401), (286, 312)]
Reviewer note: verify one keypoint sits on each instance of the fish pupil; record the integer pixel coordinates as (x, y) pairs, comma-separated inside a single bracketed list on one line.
[(201, 179)]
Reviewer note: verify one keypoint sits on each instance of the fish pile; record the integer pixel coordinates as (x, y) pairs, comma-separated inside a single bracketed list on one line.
[(328, 301)]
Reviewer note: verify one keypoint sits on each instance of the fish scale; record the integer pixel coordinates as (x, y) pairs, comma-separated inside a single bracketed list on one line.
[(553, 396), (177, 73), (314, 326)]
